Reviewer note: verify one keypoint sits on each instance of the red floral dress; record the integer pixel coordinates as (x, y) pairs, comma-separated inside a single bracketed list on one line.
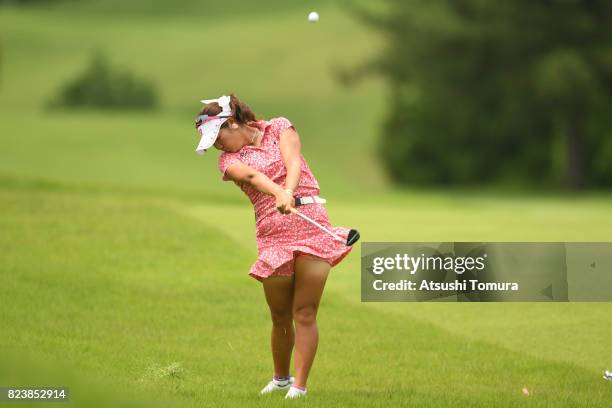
[(282, 237)]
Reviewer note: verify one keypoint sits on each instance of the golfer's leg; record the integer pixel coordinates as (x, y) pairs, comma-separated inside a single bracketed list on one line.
[(279, 295), (310, 277)]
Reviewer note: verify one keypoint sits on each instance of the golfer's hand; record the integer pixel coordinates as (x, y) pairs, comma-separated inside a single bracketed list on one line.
[(284, 202)]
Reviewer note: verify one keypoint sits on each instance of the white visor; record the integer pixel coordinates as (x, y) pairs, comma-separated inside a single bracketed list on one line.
[(209, 131)]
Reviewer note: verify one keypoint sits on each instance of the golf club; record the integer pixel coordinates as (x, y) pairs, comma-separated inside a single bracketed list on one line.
[(353, 235)]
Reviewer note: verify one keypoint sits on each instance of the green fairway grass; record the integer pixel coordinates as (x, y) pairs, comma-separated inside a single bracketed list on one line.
[(124, 257), (120, 287)]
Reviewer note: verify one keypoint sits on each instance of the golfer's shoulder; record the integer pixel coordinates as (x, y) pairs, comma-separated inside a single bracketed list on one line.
[(227, 158), (280, 124)]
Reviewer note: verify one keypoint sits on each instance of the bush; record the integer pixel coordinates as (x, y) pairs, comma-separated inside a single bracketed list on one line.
[(104, 86), (495, 92)]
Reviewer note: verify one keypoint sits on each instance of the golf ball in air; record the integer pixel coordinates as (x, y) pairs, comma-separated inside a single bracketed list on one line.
[(313, 17)]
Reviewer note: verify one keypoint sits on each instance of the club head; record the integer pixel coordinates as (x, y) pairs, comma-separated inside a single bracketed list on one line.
[(353, 236)]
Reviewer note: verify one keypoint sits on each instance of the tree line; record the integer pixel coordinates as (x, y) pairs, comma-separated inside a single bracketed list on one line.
[(518, 91)]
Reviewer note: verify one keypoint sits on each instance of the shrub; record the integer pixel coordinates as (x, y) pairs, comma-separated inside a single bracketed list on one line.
[(102, 85)]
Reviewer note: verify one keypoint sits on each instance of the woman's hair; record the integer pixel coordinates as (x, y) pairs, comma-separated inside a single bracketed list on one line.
[(241, 113)]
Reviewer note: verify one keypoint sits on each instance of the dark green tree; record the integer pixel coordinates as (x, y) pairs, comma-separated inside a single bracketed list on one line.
[(101, 85), (484, 91)]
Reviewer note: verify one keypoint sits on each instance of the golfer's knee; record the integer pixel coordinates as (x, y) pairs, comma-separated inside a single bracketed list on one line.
[(281, 318), (305, 315)]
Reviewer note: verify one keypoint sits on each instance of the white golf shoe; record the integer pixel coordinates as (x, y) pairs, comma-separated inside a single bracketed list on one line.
[(277, 385), (608, 375), (295, 392)]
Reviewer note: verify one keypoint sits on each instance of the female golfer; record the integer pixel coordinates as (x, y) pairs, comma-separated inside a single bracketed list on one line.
[(263, 158)]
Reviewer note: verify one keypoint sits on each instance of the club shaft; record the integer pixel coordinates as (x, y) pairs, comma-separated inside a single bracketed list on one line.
[(313, 222)]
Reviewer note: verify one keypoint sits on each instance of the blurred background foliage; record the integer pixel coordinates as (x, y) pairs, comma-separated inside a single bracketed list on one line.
[(506, 92), (475, 93), (104, 86)]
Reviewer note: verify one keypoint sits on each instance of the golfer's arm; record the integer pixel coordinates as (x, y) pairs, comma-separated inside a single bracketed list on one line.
[(242, 173), (290, 151)]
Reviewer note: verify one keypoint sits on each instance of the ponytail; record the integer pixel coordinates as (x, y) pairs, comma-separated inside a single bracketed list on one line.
[(241, 113)]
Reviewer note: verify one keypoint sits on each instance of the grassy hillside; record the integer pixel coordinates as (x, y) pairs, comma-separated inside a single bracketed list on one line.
[(275, 60)]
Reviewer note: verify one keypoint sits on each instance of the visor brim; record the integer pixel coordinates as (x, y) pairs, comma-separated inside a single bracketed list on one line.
[(209, 131)]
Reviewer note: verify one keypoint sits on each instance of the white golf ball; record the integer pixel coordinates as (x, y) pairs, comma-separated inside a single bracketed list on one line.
[(313, 17)]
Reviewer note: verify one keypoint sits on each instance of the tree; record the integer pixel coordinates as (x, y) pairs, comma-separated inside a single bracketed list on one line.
[(487, 91), (104, 86)]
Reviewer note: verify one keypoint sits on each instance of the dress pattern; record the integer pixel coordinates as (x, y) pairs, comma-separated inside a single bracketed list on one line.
[(283, 237)]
